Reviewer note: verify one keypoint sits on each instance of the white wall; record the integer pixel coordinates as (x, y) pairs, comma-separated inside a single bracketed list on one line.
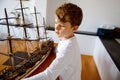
[(96, 12), (8, 5), (86, 43), (41, 6), (51, 7)]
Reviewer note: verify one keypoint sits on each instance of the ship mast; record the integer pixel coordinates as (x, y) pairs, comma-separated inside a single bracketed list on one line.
[(23, 19), (9, 38), (39, 45), (24, 26), (44, 28), (37, 22)]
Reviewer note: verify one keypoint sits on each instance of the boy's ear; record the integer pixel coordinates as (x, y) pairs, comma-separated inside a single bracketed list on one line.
[(75, 28)]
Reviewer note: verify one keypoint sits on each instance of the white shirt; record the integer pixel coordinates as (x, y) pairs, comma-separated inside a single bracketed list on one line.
[(66, 65)]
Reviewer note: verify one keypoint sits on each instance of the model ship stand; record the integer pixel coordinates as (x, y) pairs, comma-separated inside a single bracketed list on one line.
[(23, 63)]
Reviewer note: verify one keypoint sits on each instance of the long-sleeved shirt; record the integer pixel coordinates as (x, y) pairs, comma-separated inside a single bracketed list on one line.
[(66, 65)]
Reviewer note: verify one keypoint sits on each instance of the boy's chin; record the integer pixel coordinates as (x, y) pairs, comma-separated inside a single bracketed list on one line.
[(59, 37)]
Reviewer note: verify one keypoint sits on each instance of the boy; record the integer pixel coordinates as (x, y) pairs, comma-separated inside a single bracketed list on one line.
[(67, 64)]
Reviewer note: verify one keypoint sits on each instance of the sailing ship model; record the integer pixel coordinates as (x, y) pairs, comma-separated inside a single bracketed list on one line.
[(22, 55)]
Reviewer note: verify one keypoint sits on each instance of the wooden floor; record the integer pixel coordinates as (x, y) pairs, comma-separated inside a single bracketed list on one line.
[(89, 70)]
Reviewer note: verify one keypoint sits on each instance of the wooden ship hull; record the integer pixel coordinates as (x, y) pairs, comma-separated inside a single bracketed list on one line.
[(28, 65)]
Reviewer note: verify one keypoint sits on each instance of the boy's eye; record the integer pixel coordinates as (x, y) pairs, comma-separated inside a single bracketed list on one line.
[(60, 25)]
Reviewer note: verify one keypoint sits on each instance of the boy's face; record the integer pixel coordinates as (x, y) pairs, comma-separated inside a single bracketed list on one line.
[(63, 30)]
